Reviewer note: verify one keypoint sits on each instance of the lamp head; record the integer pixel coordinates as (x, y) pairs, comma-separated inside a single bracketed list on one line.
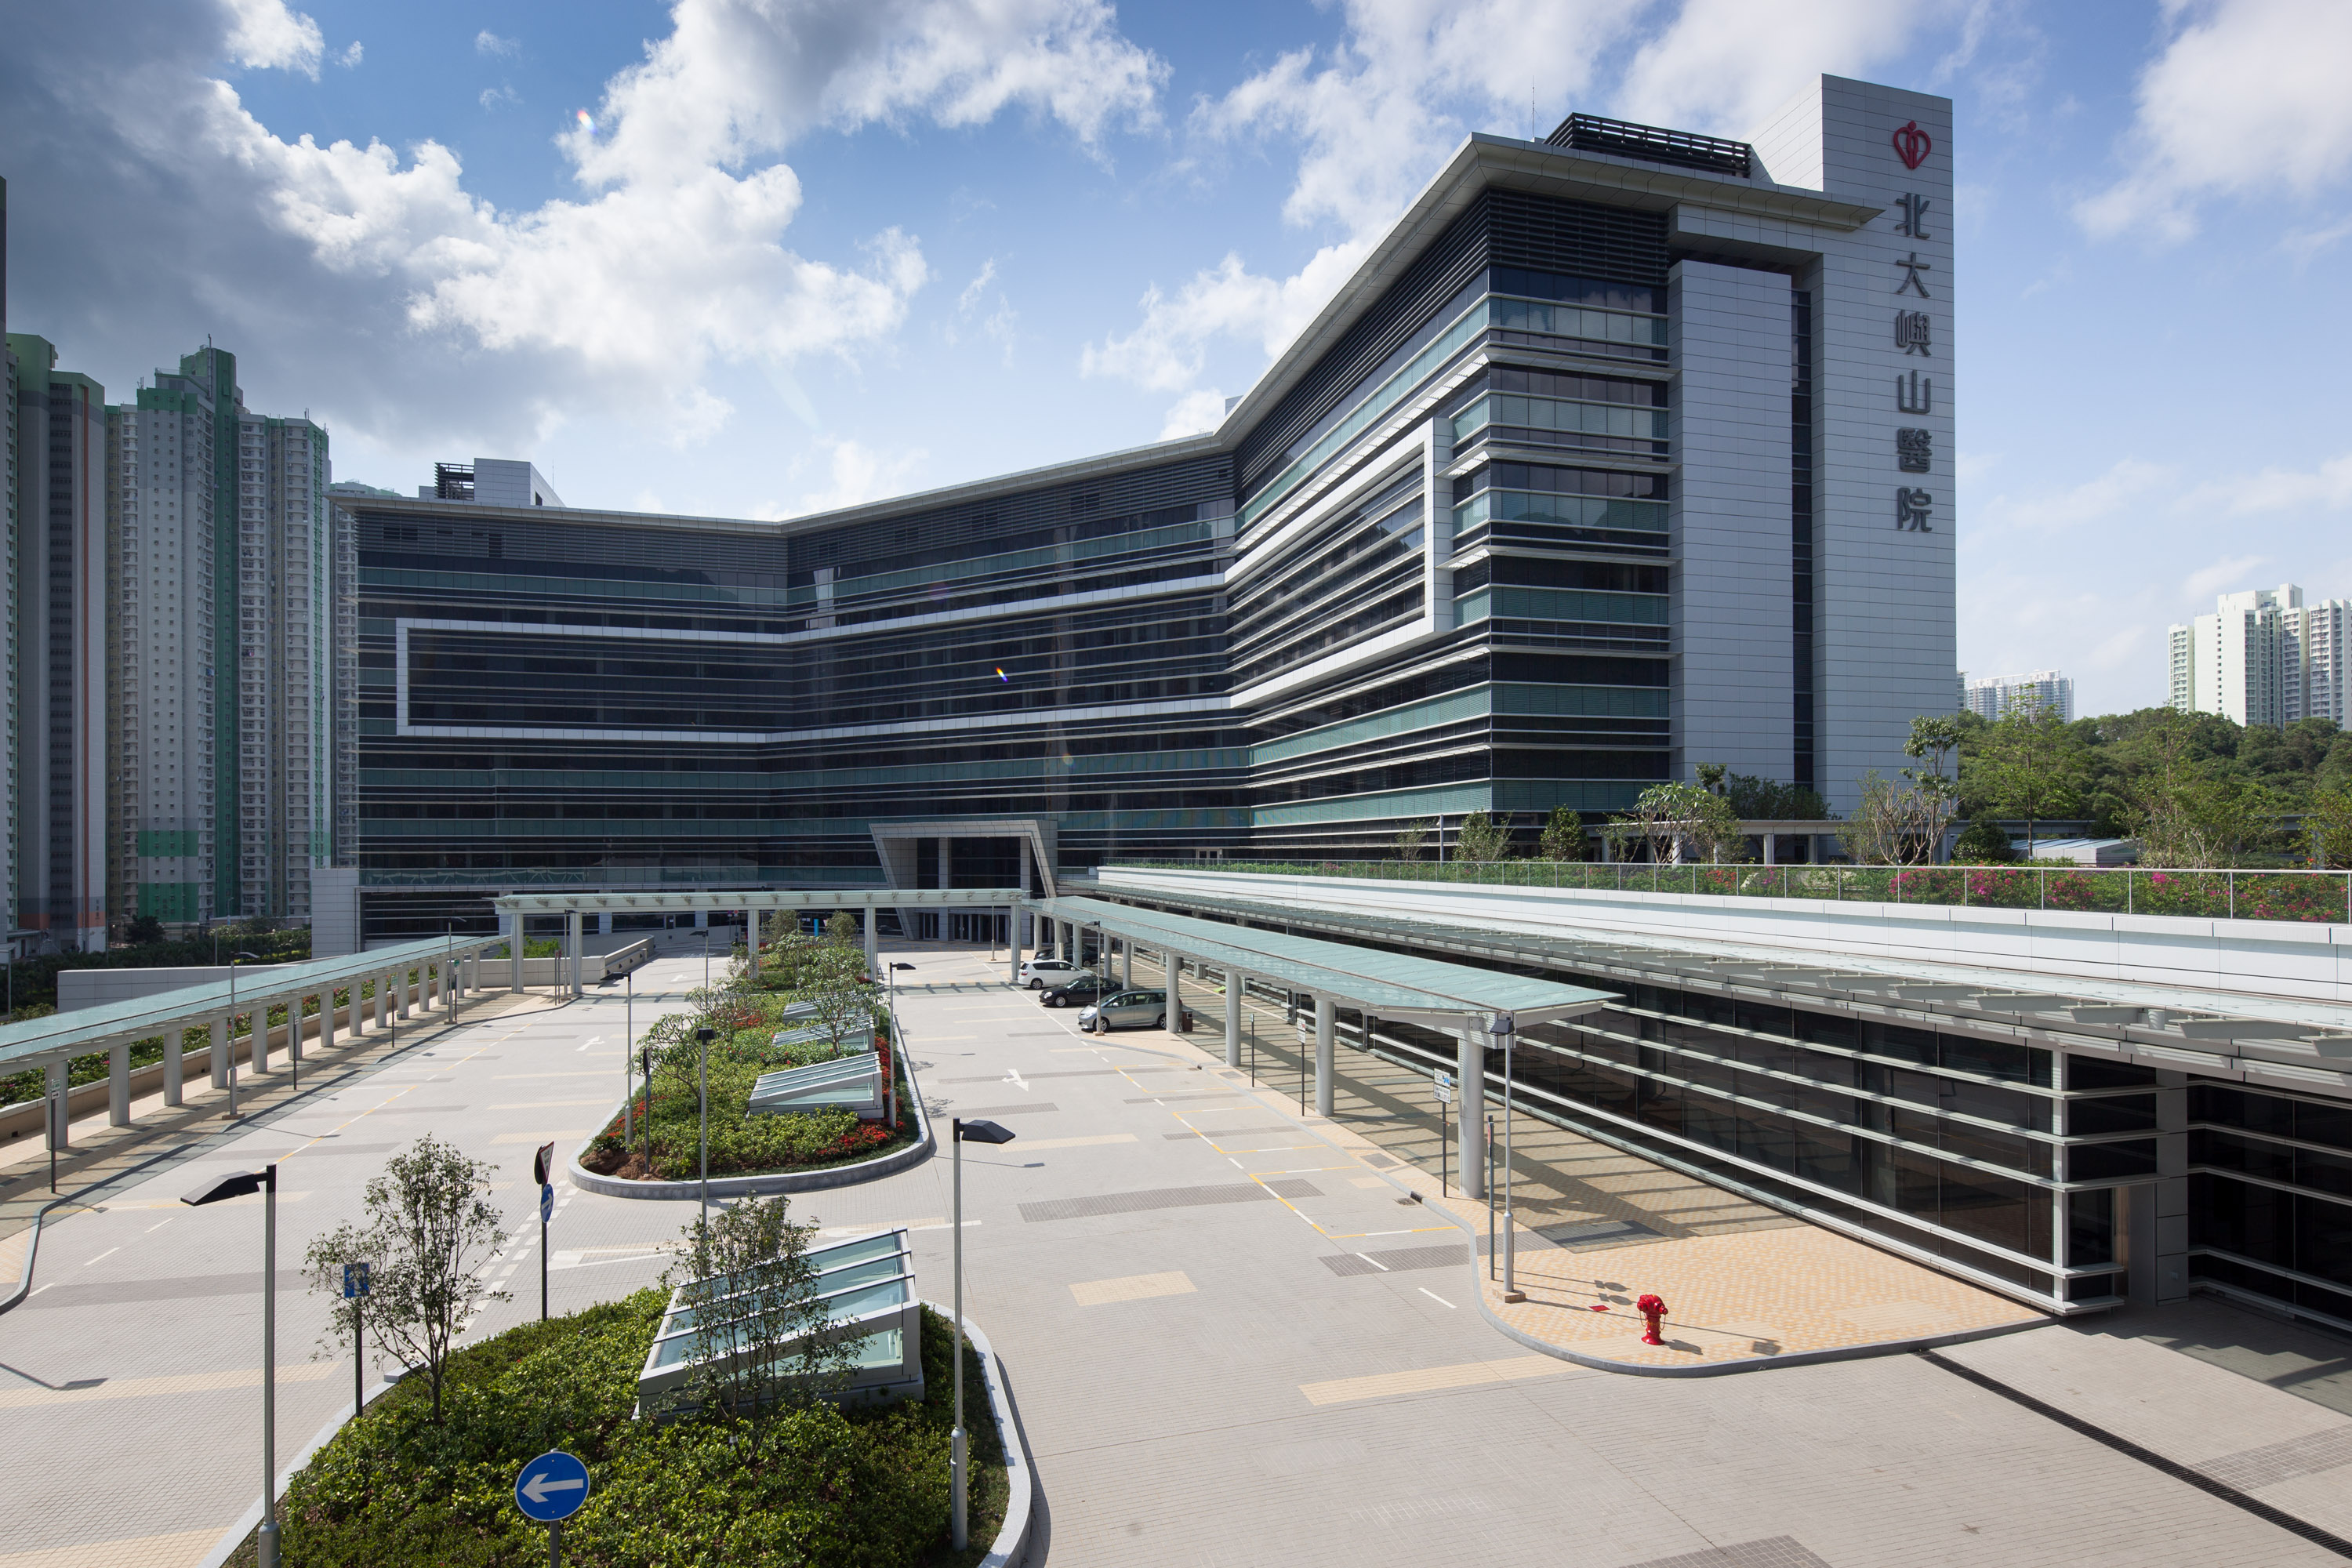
[(244, 1183), (981, 1132), (705, 1036)]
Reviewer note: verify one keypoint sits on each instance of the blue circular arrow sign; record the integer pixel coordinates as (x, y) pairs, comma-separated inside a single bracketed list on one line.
[(551, 1487)]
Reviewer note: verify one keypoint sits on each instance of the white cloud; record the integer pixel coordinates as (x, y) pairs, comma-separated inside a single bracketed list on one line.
[(1724, 64), (671, 258), (350, 59), (973, 290), (492, 97), (2130, 481), (2327, 488), (1373, 118), (2247, 97), (857, 474), (263, 35), (489, 43), (2228, 574), (1194, 413)]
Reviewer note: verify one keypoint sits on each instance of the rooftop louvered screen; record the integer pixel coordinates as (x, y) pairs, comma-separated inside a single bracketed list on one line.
[(1652, 145)]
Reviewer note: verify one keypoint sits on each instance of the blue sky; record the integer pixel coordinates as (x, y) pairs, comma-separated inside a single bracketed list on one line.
[(811, 252)]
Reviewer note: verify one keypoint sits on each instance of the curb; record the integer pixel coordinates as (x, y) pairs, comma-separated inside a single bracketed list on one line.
[(1013, 1536), (889, 1164)]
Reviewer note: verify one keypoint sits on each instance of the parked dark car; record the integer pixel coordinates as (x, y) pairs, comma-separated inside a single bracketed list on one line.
[(1078, 992)]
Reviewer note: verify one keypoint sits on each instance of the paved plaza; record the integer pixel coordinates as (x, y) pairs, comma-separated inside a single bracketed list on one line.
[(1233, 1335)]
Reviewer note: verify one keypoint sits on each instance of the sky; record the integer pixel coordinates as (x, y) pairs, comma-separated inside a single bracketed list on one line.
[(764, 258)]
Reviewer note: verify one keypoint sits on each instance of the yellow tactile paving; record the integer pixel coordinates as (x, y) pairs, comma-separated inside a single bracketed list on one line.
[(186, 1547), (181, 1382)]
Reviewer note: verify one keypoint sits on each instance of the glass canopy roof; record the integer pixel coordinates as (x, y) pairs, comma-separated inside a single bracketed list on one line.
[(1386, 985)]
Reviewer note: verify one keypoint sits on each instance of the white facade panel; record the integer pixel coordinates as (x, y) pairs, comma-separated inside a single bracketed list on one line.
[(1729, 519), (1884, 606)]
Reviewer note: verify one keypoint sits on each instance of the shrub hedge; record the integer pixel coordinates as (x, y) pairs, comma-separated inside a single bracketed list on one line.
[(858, 1488)]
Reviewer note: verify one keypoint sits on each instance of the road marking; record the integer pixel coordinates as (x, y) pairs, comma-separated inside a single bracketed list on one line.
[(539, 1137), (108, 1253), (1132, 1287), (1374, 1262), (161, 1224), (551, 1104), (1429, 1293), (1012, 1076), (1428, 1380), (1078, 1143), (534, 1077), (184, 1382)]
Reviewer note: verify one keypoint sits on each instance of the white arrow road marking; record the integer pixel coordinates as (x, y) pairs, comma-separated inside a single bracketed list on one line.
[(1012, 1076), (539, 1486)]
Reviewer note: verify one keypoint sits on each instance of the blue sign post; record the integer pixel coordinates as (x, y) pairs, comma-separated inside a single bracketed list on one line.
[(355, 1291), (551, 1489)]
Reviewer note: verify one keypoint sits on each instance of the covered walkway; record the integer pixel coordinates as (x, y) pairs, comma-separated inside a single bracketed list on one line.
[(1481, 1008)]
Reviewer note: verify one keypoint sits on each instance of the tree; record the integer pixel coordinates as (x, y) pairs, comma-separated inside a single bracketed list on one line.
[(2031, 763), (2327, 828), (428, 1235), (1410, 838), (1898, 826), (1754, 799), (759, 1343), (842, 930), (1984, 844), (1563, 835), (2199, 816), (1483, 838), (1668, 816), (142, 930), (844, 1008)]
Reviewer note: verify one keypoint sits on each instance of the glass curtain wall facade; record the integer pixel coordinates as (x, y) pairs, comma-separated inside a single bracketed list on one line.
[(569, 700), (1544, 508)]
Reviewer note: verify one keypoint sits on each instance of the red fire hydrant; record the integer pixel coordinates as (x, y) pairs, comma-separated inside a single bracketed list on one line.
[(1652, 1307)]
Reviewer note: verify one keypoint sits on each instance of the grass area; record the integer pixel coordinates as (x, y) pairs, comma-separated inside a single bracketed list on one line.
[(820, 1487), (742, 1144)]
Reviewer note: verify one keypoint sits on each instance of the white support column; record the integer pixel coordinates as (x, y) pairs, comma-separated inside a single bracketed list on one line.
[(174, 1066), (1470, 1100), (572, 940), (118, 1084), (1013, 944), (512, 924), (1233, 1018), (257, 1036), (871, 929), (294, 1028), (1326, 1012), (1126, 962), (380, 1003), (217, 1058), (326, 1019), (401, 995)]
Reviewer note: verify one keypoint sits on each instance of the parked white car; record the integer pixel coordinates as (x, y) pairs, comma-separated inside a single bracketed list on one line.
[(1040, 973)]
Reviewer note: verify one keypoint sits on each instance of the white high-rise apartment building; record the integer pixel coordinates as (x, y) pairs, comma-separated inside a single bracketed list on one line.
[(2264, 657), (236, 672), (1989, 697)]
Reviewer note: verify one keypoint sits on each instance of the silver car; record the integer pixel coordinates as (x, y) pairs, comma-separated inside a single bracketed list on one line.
[(1126, 1010), (1044, 973)]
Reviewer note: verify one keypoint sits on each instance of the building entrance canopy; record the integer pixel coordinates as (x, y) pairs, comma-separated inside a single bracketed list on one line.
[(1385, 984)]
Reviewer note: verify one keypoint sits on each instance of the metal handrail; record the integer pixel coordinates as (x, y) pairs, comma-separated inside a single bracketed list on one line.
[(2158, 892)]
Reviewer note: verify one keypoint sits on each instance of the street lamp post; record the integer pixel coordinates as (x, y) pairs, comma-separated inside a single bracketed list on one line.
[(628, 1063), (243, 1185), (897, 1039), (979, 1133), (702, 1039)]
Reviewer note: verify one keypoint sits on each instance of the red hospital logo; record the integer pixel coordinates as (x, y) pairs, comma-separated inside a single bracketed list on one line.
[(1913, 144)]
